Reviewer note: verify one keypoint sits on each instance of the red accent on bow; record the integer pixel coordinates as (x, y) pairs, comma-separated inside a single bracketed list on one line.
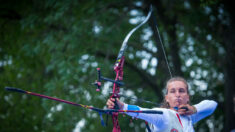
[(118, 68)]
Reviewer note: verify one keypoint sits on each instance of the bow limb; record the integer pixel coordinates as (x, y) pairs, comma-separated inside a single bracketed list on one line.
[(118, 68), (124, 43)]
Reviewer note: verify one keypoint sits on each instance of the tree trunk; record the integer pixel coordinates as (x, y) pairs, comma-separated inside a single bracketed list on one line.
[(229, 41)]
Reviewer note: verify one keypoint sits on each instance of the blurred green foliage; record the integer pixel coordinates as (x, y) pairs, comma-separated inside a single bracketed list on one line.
[(53, 48)]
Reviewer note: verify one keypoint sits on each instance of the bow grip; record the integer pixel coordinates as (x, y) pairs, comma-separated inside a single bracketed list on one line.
[(116, 105)]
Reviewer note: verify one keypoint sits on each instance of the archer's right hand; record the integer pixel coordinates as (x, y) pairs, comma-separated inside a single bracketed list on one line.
[(110, 103)]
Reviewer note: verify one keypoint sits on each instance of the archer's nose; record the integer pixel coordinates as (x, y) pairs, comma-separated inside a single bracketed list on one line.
[(177, 94)]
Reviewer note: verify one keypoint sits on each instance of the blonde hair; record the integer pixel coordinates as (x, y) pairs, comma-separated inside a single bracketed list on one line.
[(176, 79)]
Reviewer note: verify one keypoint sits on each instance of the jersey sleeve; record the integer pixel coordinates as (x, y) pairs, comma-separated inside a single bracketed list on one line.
[(159, 120), (204, 109)]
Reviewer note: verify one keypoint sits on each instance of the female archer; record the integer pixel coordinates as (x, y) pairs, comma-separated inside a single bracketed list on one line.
[(178, 115)]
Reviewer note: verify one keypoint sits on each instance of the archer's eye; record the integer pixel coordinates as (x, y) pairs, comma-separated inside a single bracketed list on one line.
[(172, 91), (182, 90)]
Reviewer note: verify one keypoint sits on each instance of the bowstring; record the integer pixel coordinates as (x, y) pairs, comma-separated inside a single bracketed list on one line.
[(162, 46)]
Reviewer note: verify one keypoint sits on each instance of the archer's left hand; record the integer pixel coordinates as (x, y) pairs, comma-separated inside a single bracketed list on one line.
[(187, 109), (110, 103)]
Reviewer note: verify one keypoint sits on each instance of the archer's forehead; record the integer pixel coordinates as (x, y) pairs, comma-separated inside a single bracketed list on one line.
[(176, 84)]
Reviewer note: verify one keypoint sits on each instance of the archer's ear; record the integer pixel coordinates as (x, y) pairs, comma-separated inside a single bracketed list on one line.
[(188, 98), (166, 98)]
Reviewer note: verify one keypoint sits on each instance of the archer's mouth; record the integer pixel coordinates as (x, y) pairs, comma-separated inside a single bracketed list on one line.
[(178, 101)]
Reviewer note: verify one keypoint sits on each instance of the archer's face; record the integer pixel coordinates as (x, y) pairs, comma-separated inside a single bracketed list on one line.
[(177, 94)]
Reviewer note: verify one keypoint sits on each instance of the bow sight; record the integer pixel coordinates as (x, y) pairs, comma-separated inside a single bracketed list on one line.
[(97, 83)]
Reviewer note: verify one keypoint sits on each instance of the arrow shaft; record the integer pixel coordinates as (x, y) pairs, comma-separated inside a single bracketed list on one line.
[(106, 111)]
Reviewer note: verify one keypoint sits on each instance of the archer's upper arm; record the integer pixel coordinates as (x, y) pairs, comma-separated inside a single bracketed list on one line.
[(204, 109)]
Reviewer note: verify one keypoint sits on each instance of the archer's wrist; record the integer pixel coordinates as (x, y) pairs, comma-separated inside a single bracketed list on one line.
[(120, 105), (194, 109)]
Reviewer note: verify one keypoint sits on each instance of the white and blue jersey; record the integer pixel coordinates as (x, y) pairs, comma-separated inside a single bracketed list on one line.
[(170, 120)]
